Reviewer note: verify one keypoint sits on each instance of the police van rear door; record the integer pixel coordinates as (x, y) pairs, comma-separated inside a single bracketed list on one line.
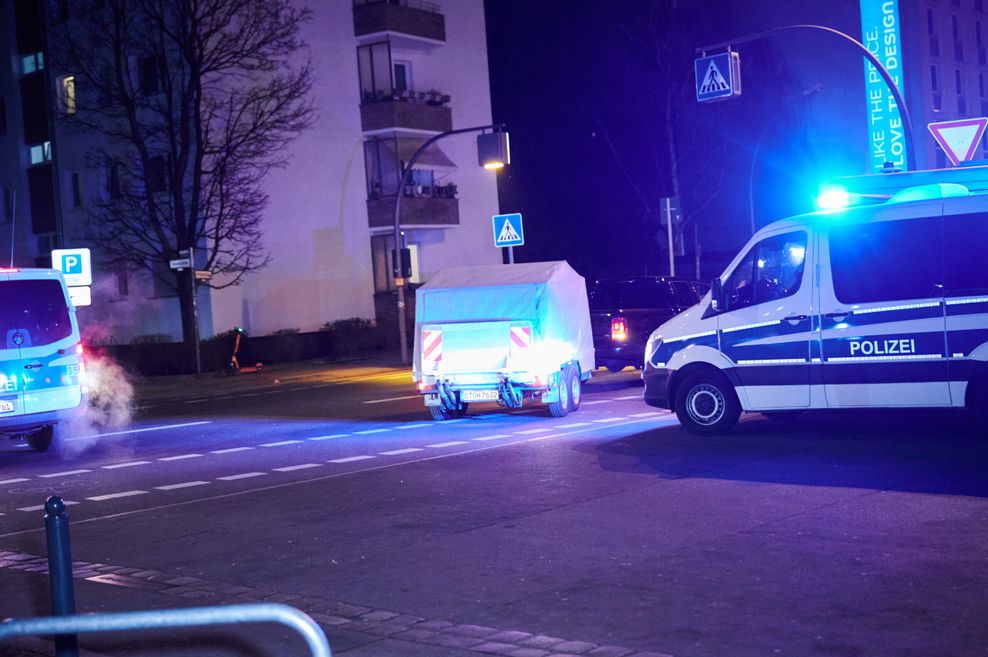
[(11, 367), (882, 318)]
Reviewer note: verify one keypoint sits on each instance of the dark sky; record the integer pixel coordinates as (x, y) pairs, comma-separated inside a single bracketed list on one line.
[(586, 88)]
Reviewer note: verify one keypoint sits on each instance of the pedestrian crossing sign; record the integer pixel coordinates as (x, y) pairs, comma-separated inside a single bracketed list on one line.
[(718, 77), (508, 230)]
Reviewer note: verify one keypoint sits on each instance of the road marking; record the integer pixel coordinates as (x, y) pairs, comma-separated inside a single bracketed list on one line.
[(413, 426), (121, 433), (493, 437), (407, 450), (330, 436), (195, 401), (113, 496), (610, 419), (63, 474), (180, 457), (304, 466), (14, 481), (537, 430), (230, 450), (280, 443), (627, 397), (245, 475), (370, 431), (128, 464), (186, 484), (448, 444), (646, 414), (351, 459), (391, 399), (572, 425), (41, 507), (597, 401), (462, 419)]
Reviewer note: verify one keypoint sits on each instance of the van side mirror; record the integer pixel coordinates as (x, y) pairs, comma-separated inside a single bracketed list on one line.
[(717, 303)]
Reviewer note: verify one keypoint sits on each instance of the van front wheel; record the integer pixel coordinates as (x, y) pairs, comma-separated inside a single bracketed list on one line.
[(706, 404)]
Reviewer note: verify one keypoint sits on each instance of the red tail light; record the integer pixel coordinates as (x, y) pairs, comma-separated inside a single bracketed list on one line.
[(619, 329), (9, 270)]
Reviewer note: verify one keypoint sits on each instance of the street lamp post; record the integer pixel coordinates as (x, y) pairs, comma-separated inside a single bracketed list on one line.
[(400, 280)]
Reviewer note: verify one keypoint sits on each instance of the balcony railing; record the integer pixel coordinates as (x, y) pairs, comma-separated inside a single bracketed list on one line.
[(420, 206), (416, 110), (411, 17)]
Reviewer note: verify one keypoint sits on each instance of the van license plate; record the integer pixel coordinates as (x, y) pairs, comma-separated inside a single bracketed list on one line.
[(479, 395), (6, 406)]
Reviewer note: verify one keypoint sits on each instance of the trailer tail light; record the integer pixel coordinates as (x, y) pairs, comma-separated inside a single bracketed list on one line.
[(432, 350), (619, 329)]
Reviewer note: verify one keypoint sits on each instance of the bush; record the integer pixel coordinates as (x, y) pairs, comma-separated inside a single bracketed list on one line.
[(152, 338)]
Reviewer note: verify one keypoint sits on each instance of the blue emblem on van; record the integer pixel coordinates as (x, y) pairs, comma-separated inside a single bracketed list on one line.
[(18, 338)]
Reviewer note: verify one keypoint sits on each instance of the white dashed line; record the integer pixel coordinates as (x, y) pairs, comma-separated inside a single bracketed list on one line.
[(413, 426), (407, 450), (13, 481), (245, 475), (370, 431), (627, 397), (63, 474), (610, 419), (195, 401), (391, 399), (280, 443), (448, 444), (129, 431), (180, 457), (330, 436), (351, 459), (494, 437), (128, 464), (596, 401), (462, 419), (230, 450), (648, 414), (304, 466), (572, 425), (41, 507), (186, 484), (113, 496), (537, 430)]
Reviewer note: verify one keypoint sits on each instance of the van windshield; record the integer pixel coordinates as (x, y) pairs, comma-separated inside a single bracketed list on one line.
[(36, 308)]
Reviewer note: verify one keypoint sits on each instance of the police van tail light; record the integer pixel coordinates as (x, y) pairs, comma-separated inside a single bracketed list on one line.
[(619, 329), (9, 270)]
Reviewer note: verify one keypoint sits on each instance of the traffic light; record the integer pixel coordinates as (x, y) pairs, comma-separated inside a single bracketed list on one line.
[(406, 263)]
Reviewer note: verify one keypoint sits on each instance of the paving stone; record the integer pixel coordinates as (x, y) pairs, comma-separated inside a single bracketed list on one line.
[(495, 647), (415, 634), (281, 597), (528, 652), (128, 571), (347, 609), (453, 641), (406, 620), (329, 619), (305, 603), (477, 631), (651, 654), (574, 647), (379, 615), (435, 625), (541, 641), (609, 651), (384, 629), (180, 581), (237, 590), (509, 636), (193, 595), (146, 574)]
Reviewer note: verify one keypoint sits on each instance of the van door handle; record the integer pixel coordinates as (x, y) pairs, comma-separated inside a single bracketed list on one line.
[(795, 318), (31, 366), (840, 314)]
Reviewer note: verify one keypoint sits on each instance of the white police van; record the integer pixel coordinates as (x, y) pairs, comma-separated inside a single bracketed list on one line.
[(41, 363), (884, 305)]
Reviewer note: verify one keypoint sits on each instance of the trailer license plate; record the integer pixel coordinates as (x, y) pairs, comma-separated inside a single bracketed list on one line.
[(6, 406), (479, 395)]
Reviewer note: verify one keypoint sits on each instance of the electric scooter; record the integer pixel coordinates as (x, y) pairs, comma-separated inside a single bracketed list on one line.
[(233, 367)]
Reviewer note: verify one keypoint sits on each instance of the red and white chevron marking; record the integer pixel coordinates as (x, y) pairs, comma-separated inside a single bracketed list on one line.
[(521, 339), (432, 350)]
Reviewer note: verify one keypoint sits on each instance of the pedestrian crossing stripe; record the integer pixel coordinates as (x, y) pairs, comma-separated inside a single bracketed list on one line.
[(508, 233), (713, 81)]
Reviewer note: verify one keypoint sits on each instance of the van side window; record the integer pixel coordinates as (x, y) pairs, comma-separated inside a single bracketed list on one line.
[(772, 269), (886, 260), (35, 307), (965, 243)]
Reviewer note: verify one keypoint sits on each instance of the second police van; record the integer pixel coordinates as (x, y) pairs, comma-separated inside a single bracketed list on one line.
[(882, 305)]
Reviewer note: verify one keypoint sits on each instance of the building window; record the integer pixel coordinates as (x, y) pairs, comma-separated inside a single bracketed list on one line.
[(157, 177), (937, 103), (76, 189), (41, 153), (979, 5), (961, 106), (934, 83), (66, 94), (374, 67), (403, 76), (32, 63), (958, 82), (123, 283), (147, 75)]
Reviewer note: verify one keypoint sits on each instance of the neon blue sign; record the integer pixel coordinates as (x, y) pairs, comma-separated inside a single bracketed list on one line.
[(880, 35)]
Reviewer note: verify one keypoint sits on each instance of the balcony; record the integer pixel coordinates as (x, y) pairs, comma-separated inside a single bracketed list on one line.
[(406, 109), (409, 17), (437, 206)]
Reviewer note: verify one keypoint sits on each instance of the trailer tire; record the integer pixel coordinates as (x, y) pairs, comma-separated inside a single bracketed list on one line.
[(706, 404), (442, 412), (575, 386), (560, 408)]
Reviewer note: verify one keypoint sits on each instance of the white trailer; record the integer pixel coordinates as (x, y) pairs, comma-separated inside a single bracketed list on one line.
[(504, 334)]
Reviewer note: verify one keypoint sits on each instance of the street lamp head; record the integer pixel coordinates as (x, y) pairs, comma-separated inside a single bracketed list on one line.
[(493, 166), (493, 150)]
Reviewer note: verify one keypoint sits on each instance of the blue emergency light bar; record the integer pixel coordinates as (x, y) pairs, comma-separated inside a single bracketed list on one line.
[(901, 187)]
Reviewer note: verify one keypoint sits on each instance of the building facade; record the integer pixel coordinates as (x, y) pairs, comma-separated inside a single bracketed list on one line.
[(389, 74)]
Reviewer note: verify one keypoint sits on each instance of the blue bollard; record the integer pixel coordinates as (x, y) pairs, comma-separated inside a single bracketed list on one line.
[(60, 571)]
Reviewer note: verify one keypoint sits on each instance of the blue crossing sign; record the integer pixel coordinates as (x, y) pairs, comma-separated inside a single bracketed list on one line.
[(508, 230), (718, 77)]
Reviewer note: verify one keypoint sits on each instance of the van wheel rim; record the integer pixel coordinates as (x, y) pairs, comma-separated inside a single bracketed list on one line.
[(705, 404)]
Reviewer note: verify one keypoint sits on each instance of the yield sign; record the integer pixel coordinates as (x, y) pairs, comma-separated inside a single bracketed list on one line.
[(959, 139)]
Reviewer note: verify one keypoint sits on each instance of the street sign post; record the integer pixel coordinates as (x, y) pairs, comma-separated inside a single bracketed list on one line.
[(959, 139), (508, 232), (76, 268), (718, 77), (180, 263)]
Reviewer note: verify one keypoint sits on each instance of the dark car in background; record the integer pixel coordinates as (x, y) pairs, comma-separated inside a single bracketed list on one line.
[(625, 311)]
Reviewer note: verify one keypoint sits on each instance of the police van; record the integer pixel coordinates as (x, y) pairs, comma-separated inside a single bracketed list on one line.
[(41, 366), (882, 303)]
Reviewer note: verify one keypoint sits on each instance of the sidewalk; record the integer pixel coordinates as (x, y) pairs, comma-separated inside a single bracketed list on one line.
[(162, 388)]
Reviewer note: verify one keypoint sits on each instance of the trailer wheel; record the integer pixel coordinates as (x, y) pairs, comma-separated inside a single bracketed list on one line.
[(560, 408), (575, 386), (706, 404), (439, 413)]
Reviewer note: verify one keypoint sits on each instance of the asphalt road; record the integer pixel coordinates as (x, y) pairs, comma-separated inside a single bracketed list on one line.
[(609, 532)]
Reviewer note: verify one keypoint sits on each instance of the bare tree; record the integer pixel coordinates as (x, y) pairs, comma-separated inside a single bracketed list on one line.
[(194, 102)]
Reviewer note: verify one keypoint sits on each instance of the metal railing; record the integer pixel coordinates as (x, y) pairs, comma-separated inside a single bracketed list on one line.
[(290, 617), (431, 7)]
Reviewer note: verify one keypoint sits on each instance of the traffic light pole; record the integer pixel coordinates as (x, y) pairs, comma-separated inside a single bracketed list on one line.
[(890, 83), (400, 280)]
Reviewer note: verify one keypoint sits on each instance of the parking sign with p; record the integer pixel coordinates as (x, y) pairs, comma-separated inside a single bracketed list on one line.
[(74, 265)]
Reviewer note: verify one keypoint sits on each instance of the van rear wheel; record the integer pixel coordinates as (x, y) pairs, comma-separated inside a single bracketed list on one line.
[(41, 441), (706, 404)]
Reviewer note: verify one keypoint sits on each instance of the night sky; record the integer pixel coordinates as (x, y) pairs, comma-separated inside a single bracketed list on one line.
[(593, 93)]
